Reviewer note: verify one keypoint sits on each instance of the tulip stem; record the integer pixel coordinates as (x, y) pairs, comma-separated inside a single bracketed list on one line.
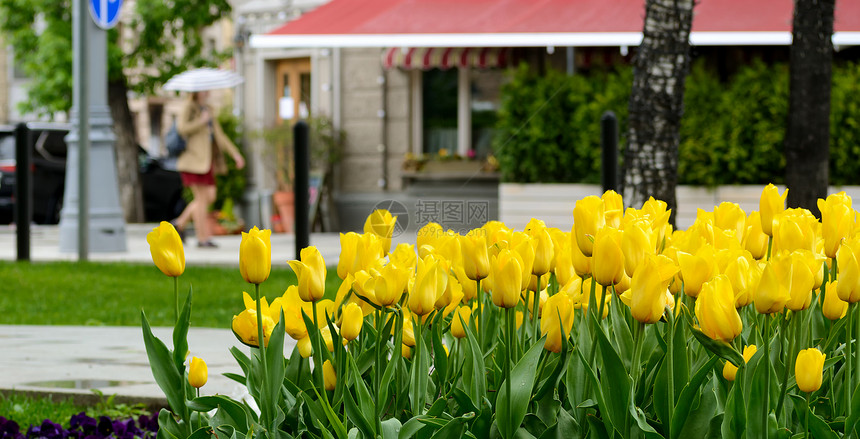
[(175, 300), (789, 356), (769, 246), (806, 416), (419, 340), (317, 354), (856, 349), (536, 311), (601, 304), (261, 344), (639, 330), (670, 352), (480, 319), (848, 359), (377, 366), (509, 323), (766, 359)]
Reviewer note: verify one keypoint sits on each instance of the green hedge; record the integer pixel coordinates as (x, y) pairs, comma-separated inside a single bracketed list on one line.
[(732, 133)]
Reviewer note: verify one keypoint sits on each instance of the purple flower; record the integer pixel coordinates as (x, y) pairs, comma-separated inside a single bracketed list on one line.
[(48, 430), (9, 429)]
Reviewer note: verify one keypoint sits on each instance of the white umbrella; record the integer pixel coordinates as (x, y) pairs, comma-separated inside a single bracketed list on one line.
[(203, 79)]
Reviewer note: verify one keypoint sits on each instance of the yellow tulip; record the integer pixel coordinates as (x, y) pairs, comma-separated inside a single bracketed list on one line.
[(404, 256), (608, 258), (329, 377), (381, 223), (837, 221), (730, 217), (427, 238), (166, 249), (659, 213), (406, 351), (353, 318), (648, 288), (544, 252), (293, 305), (348, 262), (245, 327), (755, 240), (556, 322), (507, 279), (771, 203), (476, 261), (457, 328), (522, 245), (741, 273), (715, 309), (255, 255), (801, 280), (588, 219), (808, 369), (849, 270), (311, 272), (730, 370), (636, 243), (581, 263), (794, 229), (613, 208), (771, 294), (451, 297), (697, 269), (306, 348), (430, 283), (833, 307), (563, 270), (198, 374)]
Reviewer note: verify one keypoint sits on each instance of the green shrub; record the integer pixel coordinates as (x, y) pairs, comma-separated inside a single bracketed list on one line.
[(231, 186), (731, 133)]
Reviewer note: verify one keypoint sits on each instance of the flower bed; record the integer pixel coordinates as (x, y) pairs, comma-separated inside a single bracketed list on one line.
[(82, 426), (620, 327)]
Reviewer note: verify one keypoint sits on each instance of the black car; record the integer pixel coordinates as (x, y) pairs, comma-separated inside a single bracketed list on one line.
[(162, 188)]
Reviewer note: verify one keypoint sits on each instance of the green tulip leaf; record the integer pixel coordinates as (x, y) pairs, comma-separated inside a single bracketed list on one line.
[(614, 379), (509, 418), (689, 392), (201, 433), (641, 421), (596, 428), (440, 358), (557, 368), (734, 421), (453, 428), (565, 428), (718, 347), (817, 427), (701, 414), (168, 378), (354, 413), (854, 416), (168, 424), (231, 409), (180, 335), (390, 428), (474, 378), (601, 400)]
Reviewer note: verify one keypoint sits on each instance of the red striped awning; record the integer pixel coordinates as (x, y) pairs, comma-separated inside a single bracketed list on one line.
[(425, 58)]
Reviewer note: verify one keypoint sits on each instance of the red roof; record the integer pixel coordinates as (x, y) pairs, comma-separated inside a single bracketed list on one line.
[(402, 19)]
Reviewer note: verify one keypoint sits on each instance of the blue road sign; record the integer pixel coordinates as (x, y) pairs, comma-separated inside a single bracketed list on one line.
[(105, 12)]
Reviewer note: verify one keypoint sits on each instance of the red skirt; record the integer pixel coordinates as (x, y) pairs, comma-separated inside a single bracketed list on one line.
[(207, 179)]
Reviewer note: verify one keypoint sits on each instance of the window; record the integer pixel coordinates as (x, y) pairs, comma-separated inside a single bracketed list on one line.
[(439, 109), (485, 86)]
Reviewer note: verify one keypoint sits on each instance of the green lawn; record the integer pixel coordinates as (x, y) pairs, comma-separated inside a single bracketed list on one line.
[(72, 293)]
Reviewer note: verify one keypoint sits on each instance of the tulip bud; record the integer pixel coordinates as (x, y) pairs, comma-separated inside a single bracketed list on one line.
[(306, 348), (588, 219), (849, 270), (613, 208), (198, 374), (507, 279), (166, 249), (245, 327), (730, 217), (329, 377), (406, 352), (837, 221), (636, 244), (457, 328), (697, 269), (608, 258), (801, 280), (715, 309), (808, 369), (833, 307), (255, 255), (770, 204), (544, 252), (311, 272), (648, 288), (353, 318), (476, 262), (730, 370), (771, 294), (381, 223), (755, 240), (556, 322), (430, 283)]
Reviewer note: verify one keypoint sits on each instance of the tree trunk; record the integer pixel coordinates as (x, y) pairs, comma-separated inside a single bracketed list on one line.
[(657, 102), (807, 139), (128, 172)]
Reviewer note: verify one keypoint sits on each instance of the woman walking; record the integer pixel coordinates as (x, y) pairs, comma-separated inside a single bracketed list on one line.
[(202, 159)]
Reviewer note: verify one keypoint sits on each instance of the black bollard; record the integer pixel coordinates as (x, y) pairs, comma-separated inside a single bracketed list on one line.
[(23, 191), (302, 185), (609, 148)]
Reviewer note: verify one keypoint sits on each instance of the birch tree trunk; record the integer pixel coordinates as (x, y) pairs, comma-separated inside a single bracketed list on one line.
[(807, 139), (656, 103)]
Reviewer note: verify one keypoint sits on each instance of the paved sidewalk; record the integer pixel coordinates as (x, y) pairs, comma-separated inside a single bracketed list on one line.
[(73, 360)]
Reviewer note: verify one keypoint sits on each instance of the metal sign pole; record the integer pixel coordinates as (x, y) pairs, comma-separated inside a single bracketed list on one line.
[(81, 74)]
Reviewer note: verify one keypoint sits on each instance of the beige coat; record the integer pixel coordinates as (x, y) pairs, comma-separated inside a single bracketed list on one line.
[(198, 136)]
